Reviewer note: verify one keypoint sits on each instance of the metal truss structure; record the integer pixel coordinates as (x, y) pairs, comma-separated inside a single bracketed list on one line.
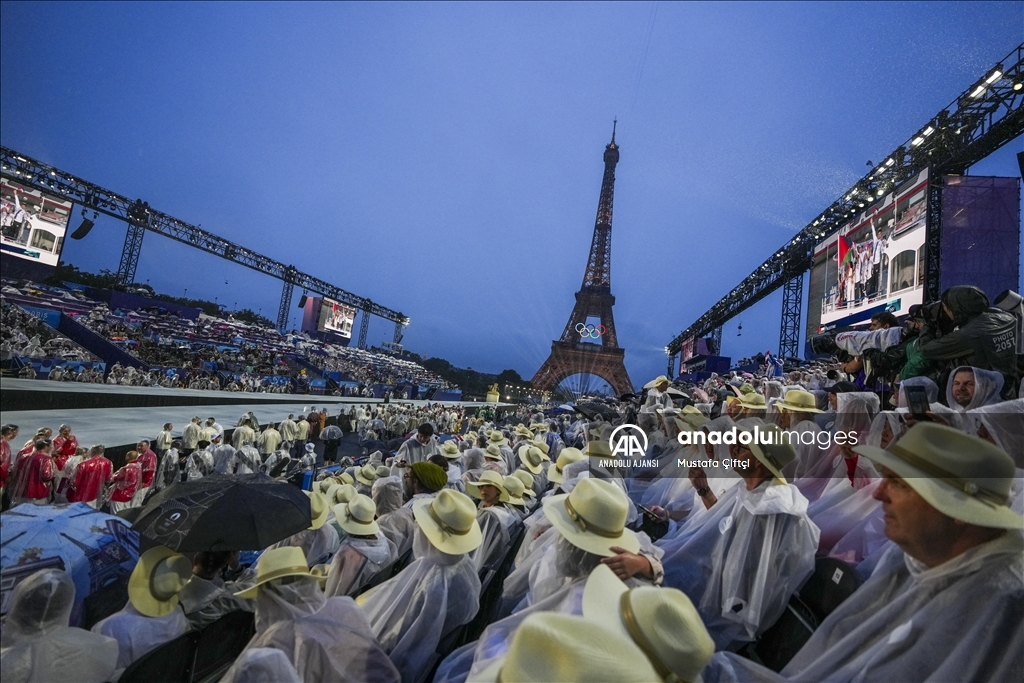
[(789, 334), (140, 218), (986, 116)]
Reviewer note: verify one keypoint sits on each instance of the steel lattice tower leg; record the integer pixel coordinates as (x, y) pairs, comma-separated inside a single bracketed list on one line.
[(130, 253), (364, 328), (286, 306), (789, 334), (399, 327), (933, 239)]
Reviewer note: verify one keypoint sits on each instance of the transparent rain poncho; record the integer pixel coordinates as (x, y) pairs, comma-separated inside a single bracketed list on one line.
[(262, 665), (324, 639), (411, 612), (38, 645), (1003, 423), (830, 474), (356, 562), (987, 386), (741, 562), (959, 621), (930, 387)]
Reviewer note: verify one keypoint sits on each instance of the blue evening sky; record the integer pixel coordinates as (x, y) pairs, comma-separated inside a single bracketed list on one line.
[(445, 159)]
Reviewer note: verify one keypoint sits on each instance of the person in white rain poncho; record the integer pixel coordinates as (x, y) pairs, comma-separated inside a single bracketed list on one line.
[(39, 646), (421, 480), (320, 541), (325, 639), (970, 388), (152, 616), (741, 562), (262, 665), (946, 603), (437, 593), (588, 527), (835, 465), (497, 522), (796, 414), (363, 553), (1003, 425)]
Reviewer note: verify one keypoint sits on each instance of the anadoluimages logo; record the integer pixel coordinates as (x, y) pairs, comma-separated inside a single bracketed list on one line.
[(628, 441)]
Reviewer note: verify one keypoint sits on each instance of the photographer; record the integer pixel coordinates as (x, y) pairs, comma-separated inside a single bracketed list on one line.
[(983, 337)]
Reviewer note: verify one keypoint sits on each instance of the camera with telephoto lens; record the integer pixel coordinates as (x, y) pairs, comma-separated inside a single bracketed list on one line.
[(823, 344)]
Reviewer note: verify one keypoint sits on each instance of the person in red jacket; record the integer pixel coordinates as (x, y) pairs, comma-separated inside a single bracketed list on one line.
[(34, 474), (90, 477), (8, 433), (126, 483), (147, 461), (64, 446)]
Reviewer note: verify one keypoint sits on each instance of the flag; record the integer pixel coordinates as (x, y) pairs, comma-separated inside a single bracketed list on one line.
[(845, 250)]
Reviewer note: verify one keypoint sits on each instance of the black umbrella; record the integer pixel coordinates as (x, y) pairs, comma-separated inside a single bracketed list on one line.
[(225, 512), (592, 410)]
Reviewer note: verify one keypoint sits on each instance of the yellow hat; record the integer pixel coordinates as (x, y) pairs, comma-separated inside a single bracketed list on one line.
[(662, 622), (448, 520), (366, 474), (532, 458), (346, 478), (514, 489), (450, 449), (549, 646), (318, 509), (753, 402), (278, 563), (566, 457), (488, 478), (542, 445), (593, 517), (527, 479), (960, 475), (798, 400), (156, 581), (357, 516)]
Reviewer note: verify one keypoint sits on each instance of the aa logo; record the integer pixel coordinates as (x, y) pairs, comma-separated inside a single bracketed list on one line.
[(628, 441)]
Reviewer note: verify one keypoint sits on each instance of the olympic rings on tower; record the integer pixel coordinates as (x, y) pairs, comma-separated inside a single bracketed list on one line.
[(592, 331)]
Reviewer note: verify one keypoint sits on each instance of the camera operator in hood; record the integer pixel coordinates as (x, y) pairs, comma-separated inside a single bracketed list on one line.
[(984, 337)]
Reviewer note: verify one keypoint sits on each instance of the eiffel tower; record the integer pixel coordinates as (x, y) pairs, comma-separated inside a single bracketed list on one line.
[(569, 354)]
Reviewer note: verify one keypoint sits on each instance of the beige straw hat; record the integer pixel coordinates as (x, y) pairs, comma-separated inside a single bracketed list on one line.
[(527, 479), (549, 646), (662, 622), (448, 520), (357, 516), (798, 400), (514, 489), (158, 578), (960, 475), (532, 458), (593, 517), (566, 457), (318, 508), (450, 449), (488, 478), (278, 563), (366, 474)]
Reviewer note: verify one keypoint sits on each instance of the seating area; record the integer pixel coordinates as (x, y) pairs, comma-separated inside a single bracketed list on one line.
[(209, 352)]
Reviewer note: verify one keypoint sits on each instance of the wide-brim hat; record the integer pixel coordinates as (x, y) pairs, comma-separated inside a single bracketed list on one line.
[(960, 475), (656, 381), (550, 646), (754, 402), (383, 471), (346, 478), (357, 516), (527, 479), (539, 426), (543, 446), (593, 517), (799, 400), (595, 449), (566, 457), (492, 452), (157, 580), (278, 563), (774, 455), (662, 622), (488, 478), (366, 474), (693, 416), (521, 430), (532, 458), (497, 438), (450, 449), (471, 436), (514, 489), (319, 508), (448, 520)]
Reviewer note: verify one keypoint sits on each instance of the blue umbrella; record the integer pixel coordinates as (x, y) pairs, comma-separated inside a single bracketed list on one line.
[(95, 548)]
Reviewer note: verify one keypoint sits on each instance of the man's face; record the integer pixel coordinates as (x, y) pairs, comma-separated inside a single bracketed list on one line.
[(910, 522), (142, 447), (963, 387), (422, 438)]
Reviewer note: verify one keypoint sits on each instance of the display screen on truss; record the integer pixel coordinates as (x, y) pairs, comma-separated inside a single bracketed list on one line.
[(336, 317), (33, 224), (874, 263)]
